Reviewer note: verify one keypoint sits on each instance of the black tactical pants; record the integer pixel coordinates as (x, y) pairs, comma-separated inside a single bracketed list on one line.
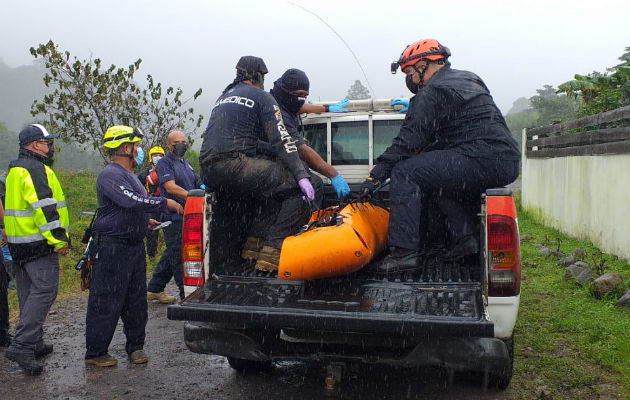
[(170, 264), (451, 182), (269, 184), (118, 289)]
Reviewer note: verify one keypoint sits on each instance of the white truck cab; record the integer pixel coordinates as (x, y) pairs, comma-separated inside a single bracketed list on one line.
[(351, 142)]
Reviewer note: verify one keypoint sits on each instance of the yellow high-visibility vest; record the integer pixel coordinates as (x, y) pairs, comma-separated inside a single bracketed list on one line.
[(36, 216)]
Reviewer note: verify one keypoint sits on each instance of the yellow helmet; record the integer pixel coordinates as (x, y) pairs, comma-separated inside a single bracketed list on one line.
[(119, 134), (155, 150)]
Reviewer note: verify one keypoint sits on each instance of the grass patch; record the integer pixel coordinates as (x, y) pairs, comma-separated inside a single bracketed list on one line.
[(80, 191), (576, 345)]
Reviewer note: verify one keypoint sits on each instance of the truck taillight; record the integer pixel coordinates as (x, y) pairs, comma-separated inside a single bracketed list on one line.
[(192, 249), (504, 256)]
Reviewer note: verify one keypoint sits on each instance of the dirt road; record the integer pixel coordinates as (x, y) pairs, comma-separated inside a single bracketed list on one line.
[(173, 372)]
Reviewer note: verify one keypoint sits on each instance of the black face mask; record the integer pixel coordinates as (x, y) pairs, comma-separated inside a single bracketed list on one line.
[(287, 101), (50, 155), (179, 149), (411, 85)]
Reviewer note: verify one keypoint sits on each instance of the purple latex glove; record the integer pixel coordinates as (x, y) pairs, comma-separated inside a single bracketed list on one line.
[(307, 188)]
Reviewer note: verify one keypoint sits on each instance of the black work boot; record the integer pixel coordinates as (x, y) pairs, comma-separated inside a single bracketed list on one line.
[(464, 248), (25, 360), (398, 260), (43, 349)]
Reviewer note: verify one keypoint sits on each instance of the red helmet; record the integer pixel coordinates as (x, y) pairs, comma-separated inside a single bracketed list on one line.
[(425, 49)]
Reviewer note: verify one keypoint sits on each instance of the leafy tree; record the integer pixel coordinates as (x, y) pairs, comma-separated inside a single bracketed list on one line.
[(87, 99), (193, 158), (599, 92), (357, 91), (552, 107), (517, 121), (520, 105)]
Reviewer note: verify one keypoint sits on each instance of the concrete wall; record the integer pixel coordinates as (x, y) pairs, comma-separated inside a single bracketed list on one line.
[(586, 197)]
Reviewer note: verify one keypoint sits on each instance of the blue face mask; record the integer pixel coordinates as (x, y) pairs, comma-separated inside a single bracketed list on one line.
[(140, 157)]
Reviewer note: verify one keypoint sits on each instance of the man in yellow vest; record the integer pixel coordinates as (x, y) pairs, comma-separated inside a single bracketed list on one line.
[(36, 226)]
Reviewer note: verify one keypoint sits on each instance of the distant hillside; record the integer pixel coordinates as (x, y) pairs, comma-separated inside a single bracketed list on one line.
[(22, 85), (19, 87)]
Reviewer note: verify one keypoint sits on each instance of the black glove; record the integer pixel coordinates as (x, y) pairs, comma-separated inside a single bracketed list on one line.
[(367, 188)]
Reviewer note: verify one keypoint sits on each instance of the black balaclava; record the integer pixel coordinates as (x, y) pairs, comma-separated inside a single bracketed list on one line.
[(293, 79)]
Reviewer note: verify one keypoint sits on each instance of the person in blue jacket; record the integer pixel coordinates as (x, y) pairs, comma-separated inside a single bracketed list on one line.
[(453, 145), (243, 116), (118, 286), (176, 177)]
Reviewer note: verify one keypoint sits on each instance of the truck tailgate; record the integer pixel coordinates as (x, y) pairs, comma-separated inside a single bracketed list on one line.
[(411, 307)]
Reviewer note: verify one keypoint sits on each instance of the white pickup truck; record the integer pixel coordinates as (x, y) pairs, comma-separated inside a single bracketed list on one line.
[(453, 313)]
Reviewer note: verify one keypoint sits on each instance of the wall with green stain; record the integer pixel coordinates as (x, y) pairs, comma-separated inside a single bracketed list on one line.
[(587, 197)]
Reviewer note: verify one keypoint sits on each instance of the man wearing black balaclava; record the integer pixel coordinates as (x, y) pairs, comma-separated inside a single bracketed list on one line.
[(290, 92), (231, 164)]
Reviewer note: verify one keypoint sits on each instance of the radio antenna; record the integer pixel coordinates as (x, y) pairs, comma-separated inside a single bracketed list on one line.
[(343, 41)]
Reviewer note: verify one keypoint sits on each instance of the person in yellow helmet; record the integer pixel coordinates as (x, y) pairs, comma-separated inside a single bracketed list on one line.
[(118, 286), (149, 178), (155, 154), (37, 230)]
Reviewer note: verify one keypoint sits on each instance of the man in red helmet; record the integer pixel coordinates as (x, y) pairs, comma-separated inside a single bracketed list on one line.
[(452, 146)]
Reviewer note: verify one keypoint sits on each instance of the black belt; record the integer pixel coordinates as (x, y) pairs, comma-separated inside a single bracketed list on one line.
[(115, 240), (213, 158)]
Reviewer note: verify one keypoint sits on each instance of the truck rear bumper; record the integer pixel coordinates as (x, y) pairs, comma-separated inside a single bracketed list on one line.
[(408, 325), (458, 353)]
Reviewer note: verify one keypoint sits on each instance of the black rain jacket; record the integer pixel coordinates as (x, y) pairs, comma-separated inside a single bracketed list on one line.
[(241, 118), (453, 110)]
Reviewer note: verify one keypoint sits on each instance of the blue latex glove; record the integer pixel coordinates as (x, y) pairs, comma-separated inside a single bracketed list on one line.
[(340, 185), (401, 102), (307, 188), (202, 187), (339, 107)]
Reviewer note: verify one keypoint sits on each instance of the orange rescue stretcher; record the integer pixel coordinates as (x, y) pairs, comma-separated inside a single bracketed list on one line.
[(338, 241)]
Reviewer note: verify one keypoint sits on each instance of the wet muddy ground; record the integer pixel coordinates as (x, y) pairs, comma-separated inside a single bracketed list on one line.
[(173, 372)]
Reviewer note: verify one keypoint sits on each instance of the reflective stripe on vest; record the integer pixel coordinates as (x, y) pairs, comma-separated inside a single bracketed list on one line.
[(31, 238), (50, 226), (25, 239), (43, 203), (29, 213)]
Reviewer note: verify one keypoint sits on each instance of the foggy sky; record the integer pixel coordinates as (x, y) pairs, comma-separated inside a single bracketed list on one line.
[(515, 46)]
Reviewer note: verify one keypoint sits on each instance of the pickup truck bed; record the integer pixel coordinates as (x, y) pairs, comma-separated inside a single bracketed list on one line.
[(425, 302), (435, 315)]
